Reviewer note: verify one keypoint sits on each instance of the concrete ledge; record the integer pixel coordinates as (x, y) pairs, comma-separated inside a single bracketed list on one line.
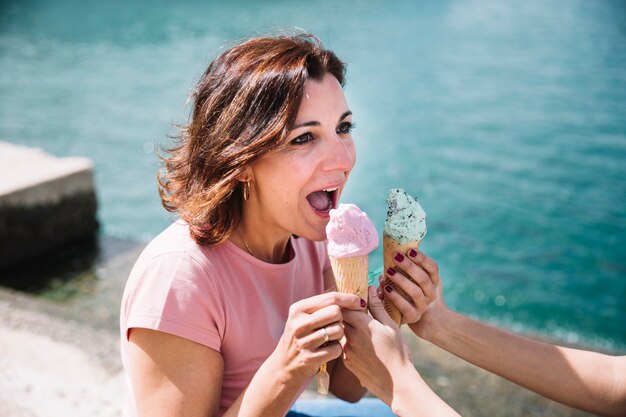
[(45, 202)]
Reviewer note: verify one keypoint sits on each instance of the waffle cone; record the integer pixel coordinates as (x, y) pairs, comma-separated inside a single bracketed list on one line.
[(351, 275), (390, 247)]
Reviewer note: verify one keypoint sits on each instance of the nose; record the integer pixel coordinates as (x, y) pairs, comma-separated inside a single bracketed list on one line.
[(340, 153)]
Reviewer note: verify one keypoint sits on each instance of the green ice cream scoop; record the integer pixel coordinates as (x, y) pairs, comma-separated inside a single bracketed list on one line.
[(406, 219)]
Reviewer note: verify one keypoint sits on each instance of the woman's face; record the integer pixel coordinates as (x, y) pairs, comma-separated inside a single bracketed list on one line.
[(295, 187)]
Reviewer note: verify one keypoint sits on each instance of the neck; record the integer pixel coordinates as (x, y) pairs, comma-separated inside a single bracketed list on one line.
[(268, 247)]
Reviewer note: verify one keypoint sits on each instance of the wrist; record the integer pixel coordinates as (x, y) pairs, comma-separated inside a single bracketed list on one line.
[(410, 387), (407, 386), (278, 372), (432, 324), (447, 327), (270, 392)]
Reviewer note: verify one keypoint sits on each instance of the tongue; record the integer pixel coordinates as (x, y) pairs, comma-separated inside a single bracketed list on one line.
[(320, 200)]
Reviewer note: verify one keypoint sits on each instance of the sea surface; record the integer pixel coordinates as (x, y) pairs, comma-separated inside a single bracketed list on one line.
[(506, 119)]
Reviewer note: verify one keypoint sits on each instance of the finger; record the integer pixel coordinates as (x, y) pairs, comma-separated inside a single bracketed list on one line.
[(306, 324), (377, 310), (380, 293), (316, 339), (421, 305), (408, 310), (343, 300), (331, 333), (355, 318), (326, 353), (427, 264), (412, 290), (323, 317), (381, 285), (301, 324), (313, 359), (416, 273)]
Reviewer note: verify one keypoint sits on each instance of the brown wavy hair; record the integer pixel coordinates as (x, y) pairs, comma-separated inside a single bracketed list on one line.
[(244, 106)]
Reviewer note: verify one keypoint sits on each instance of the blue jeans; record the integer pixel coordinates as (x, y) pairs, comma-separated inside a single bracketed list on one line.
[(332, 407)]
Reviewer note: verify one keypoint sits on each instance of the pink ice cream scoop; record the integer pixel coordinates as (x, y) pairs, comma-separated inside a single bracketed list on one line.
[(350, 232)]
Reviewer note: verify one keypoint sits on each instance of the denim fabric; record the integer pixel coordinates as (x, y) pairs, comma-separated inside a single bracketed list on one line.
[(367, 407)]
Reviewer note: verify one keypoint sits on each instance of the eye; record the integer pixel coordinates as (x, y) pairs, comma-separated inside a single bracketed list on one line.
[(345, 128), (303, 139)]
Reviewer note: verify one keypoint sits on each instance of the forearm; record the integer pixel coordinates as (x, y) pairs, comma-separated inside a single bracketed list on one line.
[(411, 396), (577, 378), (270, 393)]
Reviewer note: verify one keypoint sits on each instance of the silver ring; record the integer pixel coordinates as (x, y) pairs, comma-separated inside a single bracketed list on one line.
[(325, 334)]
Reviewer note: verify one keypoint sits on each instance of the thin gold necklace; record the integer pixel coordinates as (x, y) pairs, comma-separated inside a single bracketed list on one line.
[(244, 242), (287, 253)]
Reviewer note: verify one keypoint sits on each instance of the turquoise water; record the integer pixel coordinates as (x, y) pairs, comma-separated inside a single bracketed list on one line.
[(507, 119)]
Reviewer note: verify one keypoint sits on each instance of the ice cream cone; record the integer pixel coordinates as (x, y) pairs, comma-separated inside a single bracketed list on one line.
[(390, 247), (351, 237), (351, 275)]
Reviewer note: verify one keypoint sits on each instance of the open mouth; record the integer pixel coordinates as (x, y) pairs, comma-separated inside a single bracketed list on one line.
[(323, 201)]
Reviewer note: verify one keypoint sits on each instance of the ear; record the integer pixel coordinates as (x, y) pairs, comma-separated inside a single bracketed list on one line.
[(245, 176)]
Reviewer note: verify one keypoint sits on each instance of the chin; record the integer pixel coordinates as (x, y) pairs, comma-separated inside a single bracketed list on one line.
[(314, 235)]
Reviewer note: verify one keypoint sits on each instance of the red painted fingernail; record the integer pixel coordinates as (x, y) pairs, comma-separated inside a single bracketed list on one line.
[(412, 253), (391, 271), (363, 303), (388, 288), (399, 257)]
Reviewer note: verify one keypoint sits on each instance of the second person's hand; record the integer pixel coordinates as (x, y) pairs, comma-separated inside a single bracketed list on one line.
[(374, 350), (376, 353), (422, 286)]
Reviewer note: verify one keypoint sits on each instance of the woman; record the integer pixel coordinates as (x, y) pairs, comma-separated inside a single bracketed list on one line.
[(225, 312)]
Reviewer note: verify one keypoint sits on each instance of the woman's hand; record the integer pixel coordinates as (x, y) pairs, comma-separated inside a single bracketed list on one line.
[(424, 289), (374, 349), (309, 340), (311, 335)]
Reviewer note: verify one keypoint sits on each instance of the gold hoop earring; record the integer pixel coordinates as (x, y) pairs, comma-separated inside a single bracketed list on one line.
[(246, 190)]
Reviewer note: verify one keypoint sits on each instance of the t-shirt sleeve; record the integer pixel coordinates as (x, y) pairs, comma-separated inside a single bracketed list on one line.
[(174, 294)]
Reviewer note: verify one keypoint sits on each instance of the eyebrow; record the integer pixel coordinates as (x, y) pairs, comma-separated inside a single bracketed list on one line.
[(314, 123)]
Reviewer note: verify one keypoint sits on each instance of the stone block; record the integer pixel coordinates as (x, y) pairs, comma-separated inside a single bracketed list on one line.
[(45, 202)]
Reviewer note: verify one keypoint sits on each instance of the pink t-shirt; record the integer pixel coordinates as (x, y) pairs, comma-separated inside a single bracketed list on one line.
[(219, 296)]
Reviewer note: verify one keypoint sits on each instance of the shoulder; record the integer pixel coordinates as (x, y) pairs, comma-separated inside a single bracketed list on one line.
[(173, 263), (174, 239), (175, 247)]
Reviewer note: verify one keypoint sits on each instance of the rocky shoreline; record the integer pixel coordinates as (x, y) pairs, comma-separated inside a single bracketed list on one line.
[(62, 358)]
